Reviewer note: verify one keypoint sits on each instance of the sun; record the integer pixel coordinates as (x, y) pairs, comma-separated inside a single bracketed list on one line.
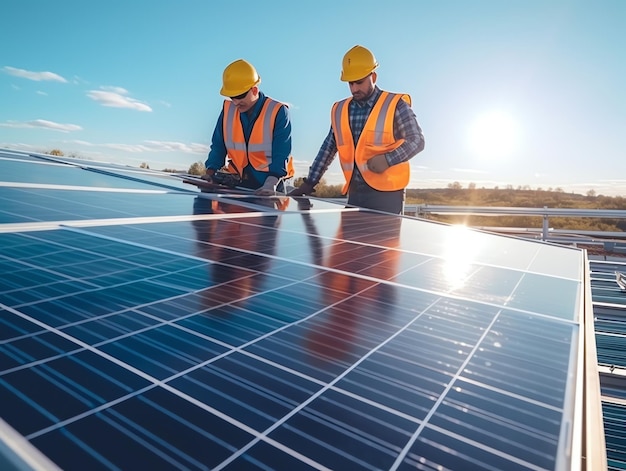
[(494, 135)]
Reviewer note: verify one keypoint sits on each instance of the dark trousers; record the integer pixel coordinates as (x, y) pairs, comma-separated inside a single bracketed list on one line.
[(365, 196)]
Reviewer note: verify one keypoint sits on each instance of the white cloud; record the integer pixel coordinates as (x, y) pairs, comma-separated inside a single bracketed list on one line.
[(160, 146), (116, 97), (118, 90), (133, 148), (150, 146), (82, 143), (42, 123), (36, 76), (168, 146)]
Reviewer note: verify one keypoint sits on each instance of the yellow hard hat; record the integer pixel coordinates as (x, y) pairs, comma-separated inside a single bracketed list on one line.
[(239, 77), (357, 63)]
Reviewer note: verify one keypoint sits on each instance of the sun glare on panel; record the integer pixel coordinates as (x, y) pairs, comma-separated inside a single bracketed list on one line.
[(460, 253), (494, 135)]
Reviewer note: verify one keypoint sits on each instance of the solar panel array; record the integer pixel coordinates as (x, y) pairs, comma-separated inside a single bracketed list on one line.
[(144, 323), (609, 309)]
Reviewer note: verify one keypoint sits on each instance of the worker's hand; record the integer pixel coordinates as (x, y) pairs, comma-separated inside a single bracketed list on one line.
[(268, 188), (305, 189), (378, 163), (208, 176)]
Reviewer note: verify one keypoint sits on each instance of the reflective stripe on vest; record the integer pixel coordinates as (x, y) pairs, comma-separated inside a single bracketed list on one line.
[(342, 136), (230, 113)]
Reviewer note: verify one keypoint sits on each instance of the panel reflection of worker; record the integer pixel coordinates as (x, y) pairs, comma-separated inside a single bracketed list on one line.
[(353, 273), (253, 131), (242, 247)]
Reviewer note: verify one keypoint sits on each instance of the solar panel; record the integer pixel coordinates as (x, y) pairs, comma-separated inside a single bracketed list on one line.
[(165, 328)]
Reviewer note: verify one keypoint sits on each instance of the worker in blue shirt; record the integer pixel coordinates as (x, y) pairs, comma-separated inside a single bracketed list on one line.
[(252, 138)]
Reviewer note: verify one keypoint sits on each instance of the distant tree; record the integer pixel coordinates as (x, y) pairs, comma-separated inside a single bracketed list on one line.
[(56, 152), (591, 193), (471, 186), (300, 180), (197, 168), (455, 186), (558, 189), (144, 165), (169, 170), (322, 189)]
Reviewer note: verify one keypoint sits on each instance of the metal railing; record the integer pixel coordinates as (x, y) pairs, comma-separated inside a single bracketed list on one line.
[(611, 240)]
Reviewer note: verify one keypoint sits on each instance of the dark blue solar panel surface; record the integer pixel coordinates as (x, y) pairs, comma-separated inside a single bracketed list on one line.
[(610, 335), (616, 442), (222, 333)]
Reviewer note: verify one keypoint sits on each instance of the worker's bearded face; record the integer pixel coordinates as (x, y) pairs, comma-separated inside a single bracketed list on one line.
[(362, 89)]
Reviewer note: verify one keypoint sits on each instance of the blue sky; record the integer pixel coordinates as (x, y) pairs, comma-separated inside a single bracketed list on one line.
[(510, 92)]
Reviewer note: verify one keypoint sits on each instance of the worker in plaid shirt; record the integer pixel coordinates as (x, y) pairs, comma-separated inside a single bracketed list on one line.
[(375, 133)]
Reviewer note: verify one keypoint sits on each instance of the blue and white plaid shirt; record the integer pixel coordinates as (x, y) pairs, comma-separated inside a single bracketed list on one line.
[(405, 127)]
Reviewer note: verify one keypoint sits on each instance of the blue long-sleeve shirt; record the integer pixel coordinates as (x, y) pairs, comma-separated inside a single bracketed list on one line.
[(405, 126), (281, 144)]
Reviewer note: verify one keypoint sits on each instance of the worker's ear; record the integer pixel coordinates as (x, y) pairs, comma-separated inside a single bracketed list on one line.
[(374, 77)]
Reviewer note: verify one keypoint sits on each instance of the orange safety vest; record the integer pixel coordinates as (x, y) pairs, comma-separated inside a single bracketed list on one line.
[(376, 138), (258, 150)]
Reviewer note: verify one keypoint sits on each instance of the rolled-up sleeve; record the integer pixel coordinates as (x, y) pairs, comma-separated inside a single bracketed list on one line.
[(324, 158)]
